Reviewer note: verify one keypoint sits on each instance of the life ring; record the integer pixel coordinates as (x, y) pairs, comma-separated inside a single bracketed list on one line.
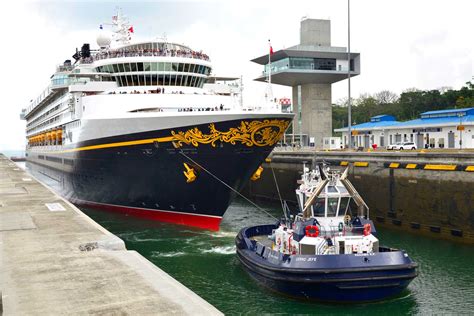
[(367, 229), (312, 231)]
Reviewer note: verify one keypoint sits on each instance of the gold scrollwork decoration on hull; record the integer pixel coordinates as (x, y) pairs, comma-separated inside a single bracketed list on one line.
[(250, 133)]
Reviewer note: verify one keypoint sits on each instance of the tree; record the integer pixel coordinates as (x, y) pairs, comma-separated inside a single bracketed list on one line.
[(386, 97)]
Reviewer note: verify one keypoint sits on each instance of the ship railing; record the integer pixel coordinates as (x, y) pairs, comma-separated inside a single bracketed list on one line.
[(148, 53), (347, 230), (181, 109)]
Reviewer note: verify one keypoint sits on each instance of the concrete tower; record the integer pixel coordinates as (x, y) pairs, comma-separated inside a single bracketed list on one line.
[(310, 68)]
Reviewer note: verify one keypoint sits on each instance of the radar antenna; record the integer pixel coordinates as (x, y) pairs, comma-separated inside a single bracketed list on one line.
[(123, 30)]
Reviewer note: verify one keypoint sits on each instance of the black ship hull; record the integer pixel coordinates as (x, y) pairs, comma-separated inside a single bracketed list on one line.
[(182, 175)]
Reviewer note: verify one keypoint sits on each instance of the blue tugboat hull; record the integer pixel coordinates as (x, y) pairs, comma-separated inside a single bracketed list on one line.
[(333, 278)]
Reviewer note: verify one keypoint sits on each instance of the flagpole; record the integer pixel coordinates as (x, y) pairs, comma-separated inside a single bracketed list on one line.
[(349, 105), (269, 63)]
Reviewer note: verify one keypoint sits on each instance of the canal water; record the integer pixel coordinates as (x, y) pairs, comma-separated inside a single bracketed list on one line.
[(206, 263)]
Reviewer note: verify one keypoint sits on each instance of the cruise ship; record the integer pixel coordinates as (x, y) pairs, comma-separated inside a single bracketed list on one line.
[(145, 128)]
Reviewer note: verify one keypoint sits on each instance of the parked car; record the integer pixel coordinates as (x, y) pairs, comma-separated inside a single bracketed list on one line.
[(408, 145), (402, 146), (394, 146)]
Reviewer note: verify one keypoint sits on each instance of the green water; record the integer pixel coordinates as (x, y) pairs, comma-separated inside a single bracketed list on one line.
[(206, 263)]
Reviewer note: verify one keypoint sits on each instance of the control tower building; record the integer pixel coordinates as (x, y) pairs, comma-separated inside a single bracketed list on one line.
[(310, 68)]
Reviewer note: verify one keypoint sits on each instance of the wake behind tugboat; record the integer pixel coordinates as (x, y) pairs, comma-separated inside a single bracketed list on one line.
[(324, 253)]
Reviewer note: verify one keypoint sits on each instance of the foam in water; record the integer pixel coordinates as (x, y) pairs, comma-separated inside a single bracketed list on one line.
[(156, 254), (224, 250)]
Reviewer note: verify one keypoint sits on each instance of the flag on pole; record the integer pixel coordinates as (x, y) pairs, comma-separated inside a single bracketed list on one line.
[(130, 29), (271, 48)]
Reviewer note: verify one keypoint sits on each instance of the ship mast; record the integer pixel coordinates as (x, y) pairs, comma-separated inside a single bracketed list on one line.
[(123, 30)]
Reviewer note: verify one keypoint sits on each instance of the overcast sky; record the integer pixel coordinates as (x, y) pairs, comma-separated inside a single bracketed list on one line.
[(425, 44)]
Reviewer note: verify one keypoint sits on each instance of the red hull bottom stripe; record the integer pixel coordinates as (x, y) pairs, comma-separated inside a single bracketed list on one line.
[(187, 219)]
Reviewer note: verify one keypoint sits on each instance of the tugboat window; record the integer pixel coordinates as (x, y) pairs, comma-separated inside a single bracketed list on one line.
[(332, 206), (318, 207), (343, 206)]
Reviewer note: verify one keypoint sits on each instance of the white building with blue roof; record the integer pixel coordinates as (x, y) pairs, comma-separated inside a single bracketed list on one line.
[(452, 128)]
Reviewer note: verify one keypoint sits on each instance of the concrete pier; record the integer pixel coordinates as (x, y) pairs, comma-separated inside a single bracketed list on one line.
[(54, 260)]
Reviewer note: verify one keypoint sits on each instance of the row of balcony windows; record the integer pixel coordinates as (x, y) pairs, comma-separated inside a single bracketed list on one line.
[(155, 66), (161, 80)]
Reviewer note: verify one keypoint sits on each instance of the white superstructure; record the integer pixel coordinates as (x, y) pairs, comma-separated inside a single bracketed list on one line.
[(125, 87)]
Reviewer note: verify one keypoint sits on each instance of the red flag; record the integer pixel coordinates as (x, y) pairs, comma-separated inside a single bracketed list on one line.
[(271, 50), (130, 29)]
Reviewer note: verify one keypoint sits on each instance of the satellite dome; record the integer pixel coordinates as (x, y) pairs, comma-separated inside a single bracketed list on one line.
[(103, 39)]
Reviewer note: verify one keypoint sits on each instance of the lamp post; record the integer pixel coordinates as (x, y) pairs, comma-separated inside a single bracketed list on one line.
[(349, 109), (460, 129)]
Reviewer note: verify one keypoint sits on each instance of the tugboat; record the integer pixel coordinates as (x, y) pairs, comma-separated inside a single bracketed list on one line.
[(325, 252)]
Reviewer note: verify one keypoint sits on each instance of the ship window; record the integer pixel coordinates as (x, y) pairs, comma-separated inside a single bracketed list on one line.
[(318, 207), (331, 189), (173, 80), (139, 66), (120, 68), (154, 80), (186, 68), (180, 67), (160, 80), (144, 80), (166, 80), (154, 67), (191, 67), (175, 66), (167, 66), (147, 66), (136, 82), (126, 67), (208, 70), (185, 80), (343, 206), (332, 206), (115, 68), (133, 66), (129, 81), (119, 81)]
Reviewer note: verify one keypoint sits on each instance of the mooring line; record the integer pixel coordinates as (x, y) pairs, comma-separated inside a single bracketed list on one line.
[(221, 181), (278, 189)]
